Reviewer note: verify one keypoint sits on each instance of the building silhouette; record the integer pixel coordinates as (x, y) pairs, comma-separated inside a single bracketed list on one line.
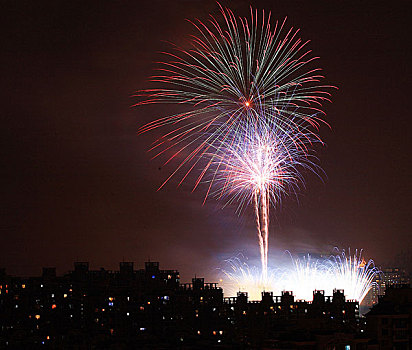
[(150, 308), (389, 323)]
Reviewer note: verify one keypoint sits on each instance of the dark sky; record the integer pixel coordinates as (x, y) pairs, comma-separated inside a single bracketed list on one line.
[(78, 184)]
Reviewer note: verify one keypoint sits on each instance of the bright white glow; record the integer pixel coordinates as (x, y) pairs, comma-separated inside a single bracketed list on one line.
[(348, 272)]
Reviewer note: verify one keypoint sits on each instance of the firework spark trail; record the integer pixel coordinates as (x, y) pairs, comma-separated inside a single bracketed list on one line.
[(304, 275), (259, 165), (353, 273)]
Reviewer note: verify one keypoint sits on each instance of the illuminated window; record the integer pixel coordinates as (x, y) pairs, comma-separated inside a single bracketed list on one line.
[(141, 308), (214, 332), (37, 317), (64, 295), (54, 306), (23, 286)]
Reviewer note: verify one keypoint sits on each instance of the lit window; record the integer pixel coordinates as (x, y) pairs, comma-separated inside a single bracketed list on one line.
[(37, 317), (153, 276), (214, 332), (23, 286), (127, 314), (54, 306), (142, 328), (64, 295), (220, 332), (110, 304)]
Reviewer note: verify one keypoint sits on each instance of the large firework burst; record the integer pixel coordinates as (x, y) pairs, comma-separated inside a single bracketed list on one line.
[(233, 67)]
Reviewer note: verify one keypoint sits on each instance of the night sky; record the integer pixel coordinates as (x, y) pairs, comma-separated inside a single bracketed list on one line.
[(78, 183)]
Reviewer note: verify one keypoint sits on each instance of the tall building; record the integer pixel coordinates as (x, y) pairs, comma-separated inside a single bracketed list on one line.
[(389, 276), (389, 323)]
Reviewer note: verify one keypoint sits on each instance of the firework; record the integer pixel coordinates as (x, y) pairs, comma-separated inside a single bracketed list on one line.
[(260, 164), (304, 275), (233, 67), (252, 103)]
